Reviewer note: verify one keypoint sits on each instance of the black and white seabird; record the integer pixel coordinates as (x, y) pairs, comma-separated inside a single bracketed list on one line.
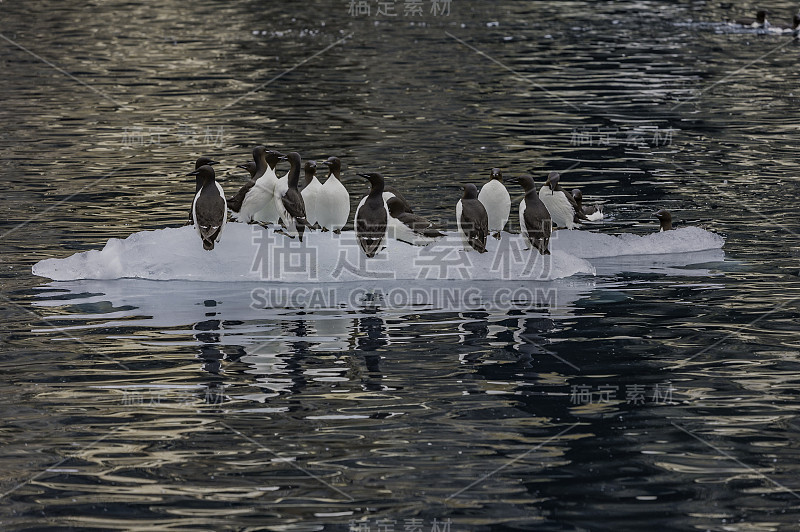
[(371, 217), (389, 192), (562, 206), (268, 213), (250, 167), (593, 212), (256, 193), (409, 227), (289, 201), (311, 192), (209, 208), (497, 201), (472, 220), (759, 22), (534, 218), (202, 161), (664, 219), (333, 204)]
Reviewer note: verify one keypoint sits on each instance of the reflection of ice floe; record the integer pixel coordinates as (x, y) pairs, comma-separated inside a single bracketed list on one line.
[(137, 302), (250, 253), (682, 264)]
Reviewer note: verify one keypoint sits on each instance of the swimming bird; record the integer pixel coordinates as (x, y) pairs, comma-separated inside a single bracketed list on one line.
[(534, 218), (472, 220), (497, 201), (311, 191), (592, 212), (288, 200), (202, 161), (250, 167), (333, 202), (255, 194), (759, 22), (371, 217), (562, 206), (409, 227), (664, 219), (268, 213), (209, 208)]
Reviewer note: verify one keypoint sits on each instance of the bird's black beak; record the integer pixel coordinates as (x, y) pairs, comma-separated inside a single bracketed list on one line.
[(283, 158), (194, 173), (365, 176), (211, 163), (242, 166), (512, 180)]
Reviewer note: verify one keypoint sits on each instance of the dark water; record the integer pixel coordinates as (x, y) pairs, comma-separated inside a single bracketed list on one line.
[(138, 405)]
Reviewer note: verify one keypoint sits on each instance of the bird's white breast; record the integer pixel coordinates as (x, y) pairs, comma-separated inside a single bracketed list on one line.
[(561, 210), (497, 201)]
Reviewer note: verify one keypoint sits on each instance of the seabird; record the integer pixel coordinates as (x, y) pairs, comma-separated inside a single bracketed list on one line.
[(408, 227), (472, 220), (371, 217), (250, 167), (534, 218), (759, 22), (497, 201), (562, 206), (333, 203), (202, 161), (665, 219), (288, 200), (257, 192), (268, 213), (209, 208), (389, 192), (311, 192), (592, 212)]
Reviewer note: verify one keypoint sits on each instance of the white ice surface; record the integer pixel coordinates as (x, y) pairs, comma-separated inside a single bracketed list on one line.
[(251, 253)]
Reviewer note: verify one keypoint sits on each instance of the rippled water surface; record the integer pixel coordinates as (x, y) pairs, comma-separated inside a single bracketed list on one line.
[(662, 392)]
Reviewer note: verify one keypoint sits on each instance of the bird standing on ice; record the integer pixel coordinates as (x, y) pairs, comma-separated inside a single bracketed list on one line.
[(561, 205), (202, 161), (472, 220), (408, 227), (333, 202), (268, 214), (497, 201), (256, 193), (288, 200), (664, 220), (311, 192), (371, 217), (593, 212), (534, 218), (209, 208)]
